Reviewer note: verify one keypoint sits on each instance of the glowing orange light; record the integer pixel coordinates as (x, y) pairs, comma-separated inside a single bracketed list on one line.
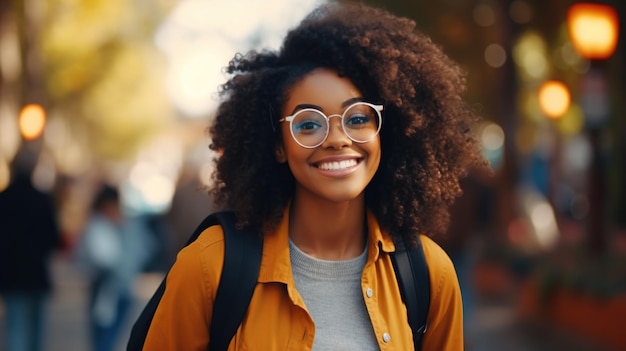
[(593, 29), (554, 99), (32, 120)]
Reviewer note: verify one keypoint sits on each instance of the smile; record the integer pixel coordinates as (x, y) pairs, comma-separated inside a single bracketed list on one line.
[(337, 165)]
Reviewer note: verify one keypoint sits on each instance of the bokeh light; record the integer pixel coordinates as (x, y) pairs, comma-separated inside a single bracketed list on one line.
[(520, 11), (495, 55), (484, 15), (32, 120), (554, 98), (530, 55), (593, 29), (492, 139), (10, 59), (536, 231)]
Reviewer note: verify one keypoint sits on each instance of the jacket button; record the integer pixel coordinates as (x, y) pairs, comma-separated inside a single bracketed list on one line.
[(369, 292), (386, 337)]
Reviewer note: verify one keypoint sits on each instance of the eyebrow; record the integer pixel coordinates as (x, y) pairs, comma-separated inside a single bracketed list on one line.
[(316, 107)]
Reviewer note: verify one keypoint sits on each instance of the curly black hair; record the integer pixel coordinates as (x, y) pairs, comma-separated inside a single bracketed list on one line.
[(427, 139)]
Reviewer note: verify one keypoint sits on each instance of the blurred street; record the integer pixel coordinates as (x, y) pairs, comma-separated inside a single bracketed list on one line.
[(495, 326)]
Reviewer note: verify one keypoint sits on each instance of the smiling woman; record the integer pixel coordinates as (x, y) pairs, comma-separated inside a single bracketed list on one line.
[(348, 141)]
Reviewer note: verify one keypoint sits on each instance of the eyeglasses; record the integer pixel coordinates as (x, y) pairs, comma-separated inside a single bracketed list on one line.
[(309, 127)]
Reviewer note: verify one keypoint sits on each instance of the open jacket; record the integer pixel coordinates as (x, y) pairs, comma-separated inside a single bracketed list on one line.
[(277, 318)]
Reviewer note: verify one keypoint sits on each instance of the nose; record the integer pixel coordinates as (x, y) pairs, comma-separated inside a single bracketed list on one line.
[(336, 138)]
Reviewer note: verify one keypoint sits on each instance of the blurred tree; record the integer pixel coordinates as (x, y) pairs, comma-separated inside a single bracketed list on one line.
[(102, 73)]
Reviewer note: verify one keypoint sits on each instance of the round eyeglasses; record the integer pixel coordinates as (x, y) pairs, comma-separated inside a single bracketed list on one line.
[(360, 121)]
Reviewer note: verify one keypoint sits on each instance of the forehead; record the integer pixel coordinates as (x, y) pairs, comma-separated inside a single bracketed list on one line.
[(322, 87)]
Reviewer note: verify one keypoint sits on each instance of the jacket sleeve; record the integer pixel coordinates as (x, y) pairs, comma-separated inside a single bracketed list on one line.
[(182, 319), (445, 317)]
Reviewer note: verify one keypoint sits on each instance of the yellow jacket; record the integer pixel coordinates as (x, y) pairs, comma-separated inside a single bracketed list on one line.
[(277, 318)]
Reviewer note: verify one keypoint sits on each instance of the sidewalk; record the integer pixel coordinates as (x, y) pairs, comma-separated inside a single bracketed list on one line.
[(67, 328), (494, 326)]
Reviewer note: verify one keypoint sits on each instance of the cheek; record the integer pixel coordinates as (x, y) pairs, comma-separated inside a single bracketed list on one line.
[(375, 152)]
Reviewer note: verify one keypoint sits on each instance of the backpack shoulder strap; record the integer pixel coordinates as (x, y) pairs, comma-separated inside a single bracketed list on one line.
[(232, 295), (412, 274), (243, 250)]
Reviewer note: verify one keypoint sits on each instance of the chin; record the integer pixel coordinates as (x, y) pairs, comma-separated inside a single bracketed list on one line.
[(346, 195)]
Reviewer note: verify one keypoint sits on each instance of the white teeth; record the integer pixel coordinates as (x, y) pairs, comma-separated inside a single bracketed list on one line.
[(337, 166)]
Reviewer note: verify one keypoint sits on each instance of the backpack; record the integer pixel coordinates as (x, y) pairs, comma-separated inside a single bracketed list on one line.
[(243, 249)]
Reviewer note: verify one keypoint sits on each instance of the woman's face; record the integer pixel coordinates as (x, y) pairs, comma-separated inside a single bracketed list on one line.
[(338, 169)]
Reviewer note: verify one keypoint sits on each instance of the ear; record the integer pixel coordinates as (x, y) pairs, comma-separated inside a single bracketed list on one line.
[(280, 154)]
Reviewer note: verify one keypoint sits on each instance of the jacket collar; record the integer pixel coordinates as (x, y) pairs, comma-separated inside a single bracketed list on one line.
[(276, 262)]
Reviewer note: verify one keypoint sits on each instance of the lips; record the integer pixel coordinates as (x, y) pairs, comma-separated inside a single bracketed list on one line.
[(337, 165)]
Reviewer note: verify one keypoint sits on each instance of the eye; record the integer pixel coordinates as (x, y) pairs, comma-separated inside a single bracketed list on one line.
[(357, 120), (306, 126), (308, 122)]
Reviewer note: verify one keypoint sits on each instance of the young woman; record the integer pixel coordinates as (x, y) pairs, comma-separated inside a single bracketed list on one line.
[(351, 137)]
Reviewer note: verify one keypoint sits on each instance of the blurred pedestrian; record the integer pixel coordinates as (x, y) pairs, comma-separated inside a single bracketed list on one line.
[(112, 251), (29, 234)]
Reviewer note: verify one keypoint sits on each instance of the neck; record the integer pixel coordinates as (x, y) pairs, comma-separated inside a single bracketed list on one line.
[(329, 231)]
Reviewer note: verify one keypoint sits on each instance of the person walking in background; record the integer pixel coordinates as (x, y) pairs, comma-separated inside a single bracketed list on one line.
[(349, 140), (112, 251), (29, 235)]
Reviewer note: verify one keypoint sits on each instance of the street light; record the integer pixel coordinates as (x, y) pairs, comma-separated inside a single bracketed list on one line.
[(593, 30)]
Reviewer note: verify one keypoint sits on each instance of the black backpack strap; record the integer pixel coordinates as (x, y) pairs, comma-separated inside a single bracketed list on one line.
[(412, 274), (243, 250), (142, 324), (246, 244)]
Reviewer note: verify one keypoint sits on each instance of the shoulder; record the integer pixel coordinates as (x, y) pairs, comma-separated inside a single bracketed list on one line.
[(440, 266), (433, 251), (211, 236), (185, 310), (198, 267), (445, 314), (205, 253)]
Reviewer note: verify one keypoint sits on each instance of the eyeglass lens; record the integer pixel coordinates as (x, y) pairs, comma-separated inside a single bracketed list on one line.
[(360, 123)]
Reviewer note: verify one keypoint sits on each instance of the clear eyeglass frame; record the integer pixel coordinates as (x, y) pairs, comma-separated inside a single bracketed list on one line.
[(377, 108)]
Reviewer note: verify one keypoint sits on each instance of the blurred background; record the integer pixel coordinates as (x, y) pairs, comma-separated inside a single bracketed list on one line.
[(120, 92)]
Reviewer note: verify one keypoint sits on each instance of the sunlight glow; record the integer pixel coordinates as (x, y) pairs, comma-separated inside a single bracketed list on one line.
[(201, 36)]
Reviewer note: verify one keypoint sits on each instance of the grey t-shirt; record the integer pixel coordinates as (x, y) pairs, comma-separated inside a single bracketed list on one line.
[(332, 293)]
